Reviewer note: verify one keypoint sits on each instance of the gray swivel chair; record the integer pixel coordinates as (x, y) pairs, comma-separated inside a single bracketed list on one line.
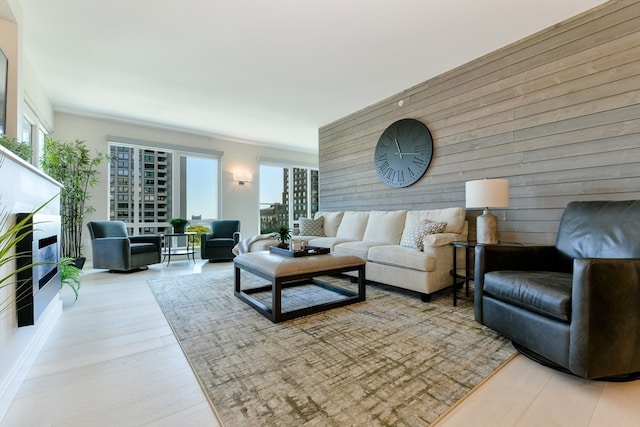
[(574, 306), (115, 250), (218, 243)]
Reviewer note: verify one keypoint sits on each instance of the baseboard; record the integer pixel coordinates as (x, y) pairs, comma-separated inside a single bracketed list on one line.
[(11, 384)]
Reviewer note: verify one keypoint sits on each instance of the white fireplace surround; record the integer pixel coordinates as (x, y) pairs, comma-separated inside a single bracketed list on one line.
[(22, 188)]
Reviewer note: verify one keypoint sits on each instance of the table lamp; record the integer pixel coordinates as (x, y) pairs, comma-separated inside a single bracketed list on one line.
[(487, 193)]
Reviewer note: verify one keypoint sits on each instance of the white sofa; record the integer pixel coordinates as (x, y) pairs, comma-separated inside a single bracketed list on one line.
[(385, 240)]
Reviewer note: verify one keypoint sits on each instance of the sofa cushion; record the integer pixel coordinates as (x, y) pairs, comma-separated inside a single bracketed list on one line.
[(403, 257), (331, 222), (454, 217), (311, 227), (353, 225), (385, 227), (359, 249), (543, 292), (326, 242), (415, 238)]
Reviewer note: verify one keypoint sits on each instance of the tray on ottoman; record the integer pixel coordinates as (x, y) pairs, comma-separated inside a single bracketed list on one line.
[(307, 251)]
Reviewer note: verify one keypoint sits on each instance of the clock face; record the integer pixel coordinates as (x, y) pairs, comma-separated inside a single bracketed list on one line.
[(403, 153)]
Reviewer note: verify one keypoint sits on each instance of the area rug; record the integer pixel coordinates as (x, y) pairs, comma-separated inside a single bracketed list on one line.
[(392, 360)]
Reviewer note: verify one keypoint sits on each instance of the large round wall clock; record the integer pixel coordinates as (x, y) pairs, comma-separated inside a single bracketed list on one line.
[(403, 153)]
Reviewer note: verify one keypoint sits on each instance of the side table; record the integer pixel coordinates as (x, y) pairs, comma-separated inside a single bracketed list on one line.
[(466, 273), (189, 250)]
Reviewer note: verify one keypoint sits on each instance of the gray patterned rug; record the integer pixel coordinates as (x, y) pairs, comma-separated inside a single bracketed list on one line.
[(390, 361)]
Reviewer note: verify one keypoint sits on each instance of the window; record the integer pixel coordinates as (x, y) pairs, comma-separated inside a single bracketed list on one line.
[(286, 194), (162, 184)]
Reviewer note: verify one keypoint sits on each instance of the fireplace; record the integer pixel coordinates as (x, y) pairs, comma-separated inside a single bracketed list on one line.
[(37, 285)]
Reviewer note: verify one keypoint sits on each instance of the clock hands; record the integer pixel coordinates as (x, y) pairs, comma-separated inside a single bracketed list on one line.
[(399, 153)]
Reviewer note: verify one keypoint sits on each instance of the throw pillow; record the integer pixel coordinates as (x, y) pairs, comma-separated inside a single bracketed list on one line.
[(311, 227), (415, 238)]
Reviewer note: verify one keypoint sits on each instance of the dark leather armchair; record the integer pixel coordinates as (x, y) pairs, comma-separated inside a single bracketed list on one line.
[(217, 244), (115, 250), (575, 305)]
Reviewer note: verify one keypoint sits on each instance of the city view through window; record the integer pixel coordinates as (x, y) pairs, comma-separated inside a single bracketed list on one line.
[(286, 194)]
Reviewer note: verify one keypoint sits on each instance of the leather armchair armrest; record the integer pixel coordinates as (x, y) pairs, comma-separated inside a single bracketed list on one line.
[(237, 237), (605, 317), (508, 257)]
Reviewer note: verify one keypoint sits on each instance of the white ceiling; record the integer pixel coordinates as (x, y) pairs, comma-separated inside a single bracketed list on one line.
[(268, 71)]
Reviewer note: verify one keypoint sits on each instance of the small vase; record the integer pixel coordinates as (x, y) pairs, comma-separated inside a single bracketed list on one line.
[(178, 229)]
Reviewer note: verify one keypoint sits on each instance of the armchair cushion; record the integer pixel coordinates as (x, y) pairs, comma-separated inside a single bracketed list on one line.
[(544, 292)]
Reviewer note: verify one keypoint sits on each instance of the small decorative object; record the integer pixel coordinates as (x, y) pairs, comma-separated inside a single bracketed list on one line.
[(487, 193), (296, 245), (284, 234), (179, 224), (403, 153)]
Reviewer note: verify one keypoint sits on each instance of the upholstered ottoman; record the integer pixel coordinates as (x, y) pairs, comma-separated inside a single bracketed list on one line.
[(284, 272)]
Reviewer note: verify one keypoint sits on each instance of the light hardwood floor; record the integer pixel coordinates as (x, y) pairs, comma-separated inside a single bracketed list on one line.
[(112, 360)]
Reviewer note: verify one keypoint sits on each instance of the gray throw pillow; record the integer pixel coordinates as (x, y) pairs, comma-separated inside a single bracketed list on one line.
[(311, 227), (415, 238)]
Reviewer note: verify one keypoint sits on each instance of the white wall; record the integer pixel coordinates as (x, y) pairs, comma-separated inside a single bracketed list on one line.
[(236, 201)]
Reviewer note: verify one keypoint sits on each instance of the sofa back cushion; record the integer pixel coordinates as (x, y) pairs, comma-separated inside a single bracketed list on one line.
[(600, 229), (454, 217), (385, 227), (353, 225), (331, 222)]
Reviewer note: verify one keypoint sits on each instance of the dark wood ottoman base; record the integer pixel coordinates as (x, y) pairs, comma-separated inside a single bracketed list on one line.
[(285, 272)]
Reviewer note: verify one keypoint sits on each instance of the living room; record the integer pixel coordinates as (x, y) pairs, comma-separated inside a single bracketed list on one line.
[(556, 113)]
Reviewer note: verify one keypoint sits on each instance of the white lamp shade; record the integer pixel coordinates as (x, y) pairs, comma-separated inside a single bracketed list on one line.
[(487, 193)]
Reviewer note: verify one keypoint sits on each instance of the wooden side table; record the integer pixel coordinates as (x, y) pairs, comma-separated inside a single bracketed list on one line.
[(466, 273)]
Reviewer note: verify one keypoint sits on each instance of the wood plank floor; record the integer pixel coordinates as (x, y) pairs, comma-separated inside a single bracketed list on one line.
[(112, 360)]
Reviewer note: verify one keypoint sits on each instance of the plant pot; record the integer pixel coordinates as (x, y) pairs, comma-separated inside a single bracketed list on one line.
[(79, 262), (178, 229)]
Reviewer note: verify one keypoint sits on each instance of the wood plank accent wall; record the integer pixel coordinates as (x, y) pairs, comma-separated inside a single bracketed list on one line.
[(557, 114)]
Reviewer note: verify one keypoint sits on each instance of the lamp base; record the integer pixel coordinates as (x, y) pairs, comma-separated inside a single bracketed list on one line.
[(487, 228)]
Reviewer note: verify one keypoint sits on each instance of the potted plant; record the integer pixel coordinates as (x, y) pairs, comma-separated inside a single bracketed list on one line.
[(284, 234), (70, 275), (179, 224), (72, 164), (21, 149)]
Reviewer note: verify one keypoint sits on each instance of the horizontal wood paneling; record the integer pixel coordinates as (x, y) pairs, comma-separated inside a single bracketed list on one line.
[(557, 113)]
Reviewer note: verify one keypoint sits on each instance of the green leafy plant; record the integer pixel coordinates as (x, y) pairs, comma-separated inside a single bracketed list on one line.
[(178, 222), (22, 150), (70, 275), (284, 234), (72, 164)]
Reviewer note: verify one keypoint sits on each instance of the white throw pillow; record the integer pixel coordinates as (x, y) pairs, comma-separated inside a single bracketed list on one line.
[(311, 227), (415, 237)]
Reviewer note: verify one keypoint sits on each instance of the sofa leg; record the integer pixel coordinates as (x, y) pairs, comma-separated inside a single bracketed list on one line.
[(425, 297)]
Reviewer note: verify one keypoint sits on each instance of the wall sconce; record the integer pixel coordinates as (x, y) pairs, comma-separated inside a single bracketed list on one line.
[(242, 177), (487, 193)]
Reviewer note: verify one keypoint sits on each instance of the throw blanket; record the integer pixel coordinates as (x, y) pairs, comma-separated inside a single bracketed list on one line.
[(244, 245)]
